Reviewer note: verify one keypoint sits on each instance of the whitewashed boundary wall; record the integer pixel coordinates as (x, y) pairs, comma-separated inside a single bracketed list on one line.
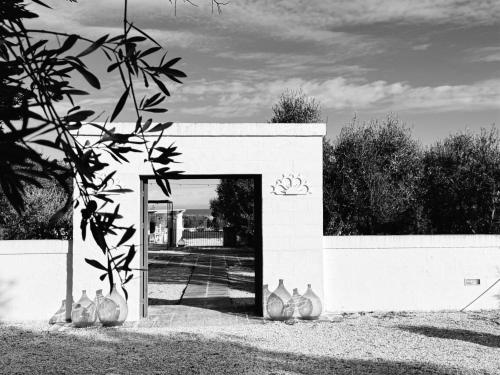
[(33, 278), (361, 273), (384, 273)]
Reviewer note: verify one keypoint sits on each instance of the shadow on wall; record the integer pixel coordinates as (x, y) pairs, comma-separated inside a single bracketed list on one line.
[(485, 339), (497, 286), (120, 351), (69, 279), (5, 298)]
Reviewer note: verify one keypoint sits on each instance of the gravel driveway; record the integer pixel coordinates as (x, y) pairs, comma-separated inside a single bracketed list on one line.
[(404, 343)]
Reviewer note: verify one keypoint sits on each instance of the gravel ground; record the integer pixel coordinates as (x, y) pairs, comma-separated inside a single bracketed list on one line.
[(385, 343)]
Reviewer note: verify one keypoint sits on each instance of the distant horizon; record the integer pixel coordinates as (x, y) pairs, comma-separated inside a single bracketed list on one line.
[(196, 211), (190, 194)]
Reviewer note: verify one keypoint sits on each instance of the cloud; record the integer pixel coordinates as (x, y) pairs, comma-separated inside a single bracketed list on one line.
[(421, 47), (485, 54), (257, 48), (243, 100), (316, 22)]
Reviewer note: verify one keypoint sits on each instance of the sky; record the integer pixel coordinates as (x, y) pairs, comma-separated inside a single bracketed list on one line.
[(434, 63), (187, 194)]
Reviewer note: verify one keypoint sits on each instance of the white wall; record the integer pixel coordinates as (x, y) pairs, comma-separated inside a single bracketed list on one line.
[(370, 273), (292, 225), (32, 278)]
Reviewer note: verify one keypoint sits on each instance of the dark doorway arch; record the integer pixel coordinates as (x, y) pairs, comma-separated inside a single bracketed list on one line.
[(257, 243)]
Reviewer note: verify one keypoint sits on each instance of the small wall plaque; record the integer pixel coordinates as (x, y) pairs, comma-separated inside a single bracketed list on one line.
[(291, 185), (468, 282)]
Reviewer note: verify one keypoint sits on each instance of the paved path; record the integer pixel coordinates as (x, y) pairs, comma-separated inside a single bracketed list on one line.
[(201, 286)]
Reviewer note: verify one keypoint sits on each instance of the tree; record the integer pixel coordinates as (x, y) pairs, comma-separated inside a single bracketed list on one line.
[(461, 184), (296, 107), (329, 203), (372, 174), (234, 206), (34, 222), (36, 74)]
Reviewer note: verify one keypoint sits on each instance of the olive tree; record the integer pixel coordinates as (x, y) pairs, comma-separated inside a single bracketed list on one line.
[(371, 180), (234, 206), (461, 184), (37, 71), (35, 221), (294, 106)]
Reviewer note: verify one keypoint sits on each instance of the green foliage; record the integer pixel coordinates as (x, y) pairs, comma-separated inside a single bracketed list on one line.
[(235, 206), (371, 179), (378, 180), (35, 221), (296, 107), (37, 71), (461, 184)]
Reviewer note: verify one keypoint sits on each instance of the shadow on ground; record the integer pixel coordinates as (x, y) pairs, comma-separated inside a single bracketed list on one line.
[(238, 305), (174, 266), (216, 268), (120, 351), (485, 339)]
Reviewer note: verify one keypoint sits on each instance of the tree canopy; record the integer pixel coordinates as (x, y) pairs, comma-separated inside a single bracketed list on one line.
[(234, 205), (294, 106), (461, 184), (35, 221), (371, 176)]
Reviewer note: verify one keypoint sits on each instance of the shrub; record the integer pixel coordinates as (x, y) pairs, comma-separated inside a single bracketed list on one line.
[(461, 184), (35, 222), (371, 180)]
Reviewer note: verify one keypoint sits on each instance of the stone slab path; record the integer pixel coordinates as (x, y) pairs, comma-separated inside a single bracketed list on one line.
[(200, 286)]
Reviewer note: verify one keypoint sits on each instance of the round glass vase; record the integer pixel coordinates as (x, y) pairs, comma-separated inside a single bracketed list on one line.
[(59, 316), (310, 306), (265, 296), (280, 304), (113, 309), (83, 313)]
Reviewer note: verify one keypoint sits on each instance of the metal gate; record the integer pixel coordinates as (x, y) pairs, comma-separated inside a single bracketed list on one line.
[(202, 237)]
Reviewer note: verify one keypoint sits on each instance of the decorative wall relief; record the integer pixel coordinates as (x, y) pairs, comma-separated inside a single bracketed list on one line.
[(291, 185)]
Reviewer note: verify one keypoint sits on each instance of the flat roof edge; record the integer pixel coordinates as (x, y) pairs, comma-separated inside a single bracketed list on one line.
[(220, 129)]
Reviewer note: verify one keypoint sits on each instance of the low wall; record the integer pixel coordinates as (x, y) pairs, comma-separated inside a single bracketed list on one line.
[(33, 278), (391, 273), (361, 273)]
